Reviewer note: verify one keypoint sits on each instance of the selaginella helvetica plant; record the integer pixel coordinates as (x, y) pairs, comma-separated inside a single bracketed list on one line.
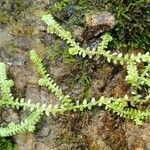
[(135, 78)]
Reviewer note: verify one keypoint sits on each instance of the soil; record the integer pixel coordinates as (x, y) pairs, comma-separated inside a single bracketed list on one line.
[(21, 30)]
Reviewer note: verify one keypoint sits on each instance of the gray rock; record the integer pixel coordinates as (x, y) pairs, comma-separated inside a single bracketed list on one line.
[(42, 146), (19, 60), (10, 116), (101, 77), (5, 36), (104, 132), (43, 96), (24, 141), (138, 138)]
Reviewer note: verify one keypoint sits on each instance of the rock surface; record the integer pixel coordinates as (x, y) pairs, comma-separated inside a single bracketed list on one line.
[(89, 130), (97, 23)]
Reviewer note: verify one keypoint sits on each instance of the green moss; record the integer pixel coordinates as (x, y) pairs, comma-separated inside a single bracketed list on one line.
[(12, 10), (69, 59), (68, 137), (82, 77), (60, 5), (18, 6), (132, 26), (132, 20), (4, 17), (6, 144), (56, 50)]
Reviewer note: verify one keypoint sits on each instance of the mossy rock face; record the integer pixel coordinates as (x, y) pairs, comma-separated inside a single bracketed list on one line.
[(63, 9), (132, 19), (82, 77)]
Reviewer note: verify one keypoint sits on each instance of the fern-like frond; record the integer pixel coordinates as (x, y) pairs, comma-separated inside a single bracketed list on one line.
[(145, 76), (27, 125), (54, 27), (133, 75), (5, 85), (136, 78), (2, 72), (46, 80)]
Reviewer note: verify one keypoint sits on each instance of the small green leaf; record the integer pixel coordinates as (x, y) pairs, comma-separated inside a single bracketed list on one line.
[(48, 19), (73, 51)]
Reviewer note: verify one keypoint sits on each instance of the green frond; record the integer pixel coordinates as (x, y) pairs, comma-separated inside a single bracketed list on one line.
[(133, 75), (5, 85), (27, 125), (2, 72), (137, 78), (54, 27), (46, 80), (106, 38)]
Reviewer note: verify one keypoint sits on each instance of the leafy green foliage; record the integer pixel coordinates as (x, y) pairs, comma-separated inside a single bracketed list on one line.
[(135, 77), (45, 79), (5, 144), (59, 6), (54, 27), (27, 125), (5, 84)]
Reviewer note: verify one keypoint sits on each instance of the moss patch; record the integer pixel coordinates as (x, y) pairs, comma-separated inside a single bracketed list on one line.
[(132, 19), (6, 144)]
